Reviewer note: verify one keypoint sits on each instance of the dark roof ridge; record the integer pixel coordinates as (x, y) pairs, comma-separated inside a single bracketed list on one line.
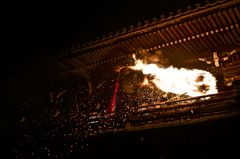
[(85, 45)]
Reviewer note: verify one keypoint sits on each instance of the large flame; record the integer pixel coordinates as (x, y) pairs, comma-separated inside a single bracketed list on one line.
[(192, 82)]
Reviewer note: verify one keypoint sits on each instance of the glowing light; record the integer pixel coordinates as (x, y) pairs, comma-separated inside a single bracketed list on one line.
[(145, 82), (192, 82)]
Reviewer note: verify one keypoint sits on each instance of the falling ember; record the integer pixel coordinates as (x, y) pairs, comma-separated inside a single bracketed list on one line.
[(192, 82), (118, 69)]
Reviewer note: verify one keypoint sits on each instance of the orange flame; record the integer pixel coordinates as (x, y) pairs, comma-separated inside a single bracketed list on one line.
[(192, 82), (145, 81)]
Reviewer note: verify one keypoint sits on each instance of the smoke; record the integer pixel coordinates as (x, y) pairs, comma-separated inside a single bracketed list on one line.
[(157, 58)]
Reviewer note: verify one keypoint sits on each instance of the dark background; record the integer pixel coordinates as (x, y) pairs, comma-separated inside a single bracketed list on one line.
[(34, 29)]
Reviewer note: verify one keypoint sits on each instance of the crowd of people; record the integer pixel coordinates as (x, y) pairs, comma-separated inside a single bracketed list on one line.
[(81, 110)]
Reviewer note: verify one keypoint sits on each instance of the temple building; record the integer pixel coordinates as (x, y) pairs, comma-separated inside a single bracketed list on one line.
[(206, 38)]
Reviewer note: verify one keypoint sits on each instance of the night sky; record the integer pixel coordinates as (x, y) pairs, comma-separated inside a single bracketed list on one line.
[(38, 28)]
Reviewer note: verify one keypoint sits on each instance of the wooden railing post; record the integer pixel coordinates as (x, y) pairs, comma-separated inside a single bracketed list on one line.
[(236, 109), (128, 125), (160, 120)]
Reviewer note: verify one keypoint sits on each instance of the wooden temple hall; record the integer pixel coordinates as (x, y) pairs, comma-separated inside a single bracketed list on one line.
[(205, 37)]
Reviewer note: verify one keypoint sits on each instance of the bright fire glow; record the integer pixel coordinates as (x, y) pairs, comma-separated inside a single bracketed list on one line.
[(145, 81), (192, 82)]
